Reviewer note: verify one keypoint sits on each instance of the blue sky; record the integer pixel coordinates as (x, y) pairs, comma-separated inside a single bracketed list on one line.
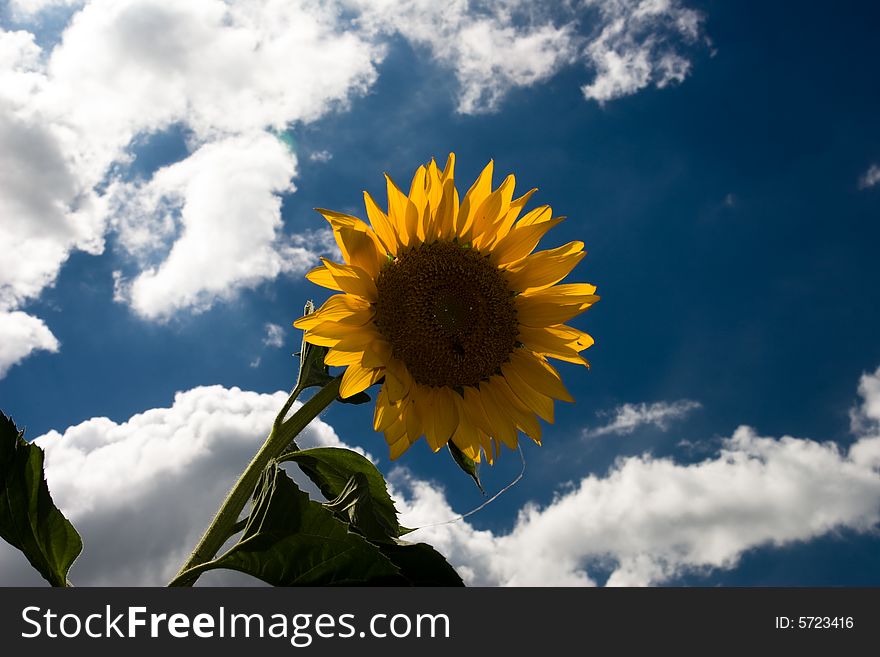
[(720, 174)]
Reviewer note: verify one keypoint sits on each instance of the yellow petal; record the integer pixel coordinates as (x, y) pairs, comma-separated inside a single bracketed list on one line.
[(356, 341), (444, 221), (507, 222), (342, 308), (377, 353), (339, 220), (539, 374), (396, 431), (531, 398), (445, 414), (472, 408), (341, 331), (337, 358), (478, 193), (449, 169), (522, 240), (544, 268), (569, 293), (503, 426), (381, 224), (491, 212), (523, 417), (320, 275), (538, 312), (549, 343), (419, 199), (433, 185), (398, 379), (536, 216), (397, 202), (340, 336), (397, 449), (402, 214), (357, 379), (352, 280), (574, 337), (385, 415), (320, 340), (410, 412), (466, 436), (362, 248)]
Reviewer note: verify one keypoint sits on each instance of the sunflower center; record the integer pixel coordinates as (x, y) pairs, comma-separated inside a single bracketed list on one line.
[(448, 314)]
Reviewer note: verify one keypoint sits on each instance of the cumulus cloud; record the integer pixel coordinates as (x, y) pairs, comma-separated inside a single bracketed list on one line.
[(20, 335), (141, 492), (226, 197), (650, 520), (46, 213), (870, 178), (26, 9), (626, 418), (231, 74)]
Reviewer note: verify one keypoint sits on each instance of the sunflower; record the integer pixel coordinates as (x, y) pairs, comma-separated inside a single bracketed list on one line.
[(446, 304)]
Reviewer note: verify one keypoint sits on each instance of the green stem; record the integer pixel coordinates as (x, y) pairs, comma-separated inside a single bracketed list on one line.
[(282, 434)]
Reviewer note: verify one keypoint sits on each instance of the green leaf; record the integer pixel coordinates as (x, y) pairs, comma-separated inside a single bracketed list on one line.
[(421, 564), (358, 490), (331, 468), (313, 372), (467, 464), (355, 505), (29, 520), (290, 540)]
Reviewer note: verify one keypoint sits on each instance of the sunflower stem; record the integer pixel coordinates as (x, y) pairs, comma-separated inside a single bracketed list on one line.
[(283, 432)]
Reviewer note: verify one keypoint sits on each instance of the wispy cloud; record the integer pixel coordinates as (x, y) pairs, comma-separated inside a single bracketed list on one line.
[(637, 46), (274, 336), (870, 178), (626, 418), (321, 156)]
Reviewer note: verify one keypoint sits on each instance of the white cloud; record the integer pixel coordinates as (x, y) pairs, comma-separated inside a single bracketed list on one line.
[(491, 47), (321, 156), (627, 417), (229, 74), (20, 335), (27, 9), (636, 46), (141, 492), (275, 335), (45, 211), (227, 197), (870, 178), (649, 520), (646, 521), (226, 72)]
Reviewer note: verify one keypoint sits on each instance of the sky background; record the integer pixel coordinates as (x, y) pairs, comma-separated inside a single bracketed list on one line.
[(159, 166)]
